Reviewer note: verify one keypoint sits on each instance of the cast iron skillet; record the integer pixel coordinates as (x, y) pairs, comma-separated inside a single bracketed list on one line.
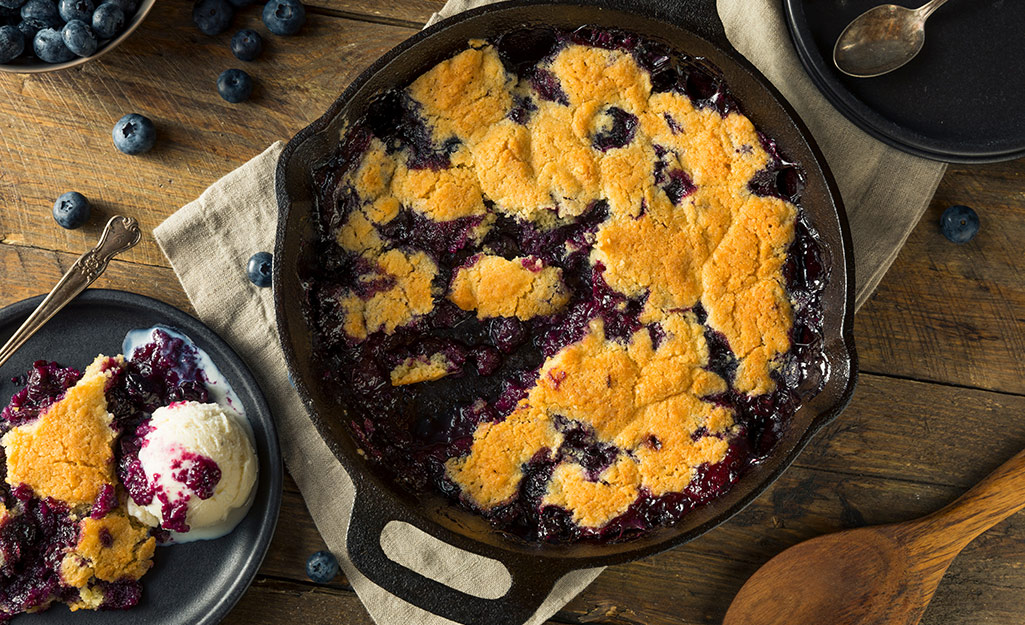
[(691, 26)]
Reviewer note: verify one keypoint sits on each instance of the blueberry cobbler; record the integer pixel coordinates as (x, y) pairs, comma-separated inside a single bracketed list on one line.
[(562, 279), (70, 458)]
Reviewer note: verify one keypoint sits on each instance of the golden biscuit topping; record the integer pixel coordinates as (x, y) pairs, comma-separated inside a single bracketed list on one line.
[(68, 452), (408, 296), (521, 287), (109, 549), (417, 369)]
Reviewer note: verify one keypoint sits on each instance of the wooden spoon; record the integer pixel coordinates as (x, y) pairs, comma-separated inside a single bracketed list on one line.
[(883, 575)]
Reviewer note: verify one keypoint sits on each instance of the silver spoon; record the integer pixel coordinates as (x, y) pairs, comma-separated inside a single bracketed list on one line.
[(121, 233), (882, 39)]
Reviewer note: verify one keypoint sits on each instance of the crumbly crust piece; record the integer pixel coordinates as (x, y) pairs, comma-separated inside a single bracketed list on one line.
[(465, 94), (110, 549), (67, 453), (521, 288), (416, 369), (442, 195), (408, 297)]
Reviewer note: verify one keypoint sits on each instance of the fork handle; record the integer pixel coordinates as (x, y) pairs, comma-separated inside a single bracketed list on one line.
[(120, 234)]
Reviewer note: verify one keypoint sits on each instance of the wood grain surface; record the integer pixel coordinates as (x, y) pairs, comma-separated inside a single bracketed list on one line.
[(942, 342)]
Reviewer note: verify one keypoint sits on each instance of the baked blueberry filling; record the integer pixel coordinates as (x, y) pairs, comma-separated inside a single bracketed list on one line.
[(619, 254)]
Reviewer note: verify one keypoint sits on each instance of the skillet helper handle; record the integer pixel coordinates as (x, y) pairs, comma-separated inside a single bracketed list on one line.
[(532, 581), (698, 16)]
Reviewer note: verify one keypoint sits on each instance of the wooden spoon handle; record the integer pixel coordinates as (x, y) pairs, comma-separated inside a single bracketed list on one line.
[(998, 496)]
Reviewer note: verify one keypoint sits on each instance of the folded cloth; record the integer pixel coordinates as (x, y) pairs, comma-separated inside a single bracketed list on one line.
[(209, 240)]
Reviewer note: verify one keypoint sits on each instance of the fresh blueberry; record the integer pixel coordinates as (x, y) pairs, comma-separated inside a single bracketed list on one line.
[(284, 17), (238, 4), (322, 567), (108, 20), (959, 223), (50, 48), (212, 17), (259, 271), (134, 134), (126, 6), (44, 10), (31, 26), (79, 38), (246, 45), (76, 10), (71, 210), (12, 43), (11, 4), (234, 85)]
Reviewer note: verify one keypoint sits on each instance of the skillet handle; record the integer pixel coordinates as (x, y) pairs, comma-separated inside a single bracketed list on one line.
[(698, 16), (532, 578)]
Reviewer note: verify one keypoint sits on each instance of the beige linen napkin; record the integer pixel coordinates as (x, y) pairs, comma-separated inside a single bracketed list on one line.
[(209, 240)]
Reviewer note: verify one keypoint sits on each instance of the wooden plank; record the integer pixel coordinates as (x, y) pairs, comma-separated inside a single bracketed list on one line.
[(276, 601), (956, 313), (55, 128)]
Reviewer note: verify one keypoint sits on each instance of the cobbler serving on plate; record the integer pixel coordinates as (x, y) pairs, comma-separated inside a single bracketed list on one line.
[(75, 488), (562, 279)]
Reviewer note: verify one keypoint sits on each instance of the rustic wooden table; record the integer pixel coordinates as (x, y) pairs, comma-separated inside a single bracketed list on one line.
[(940, 402)]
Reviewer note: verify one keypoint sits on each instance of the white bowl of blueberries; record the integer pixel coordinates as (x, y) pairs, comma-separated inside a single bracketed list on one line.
[(47, 35)]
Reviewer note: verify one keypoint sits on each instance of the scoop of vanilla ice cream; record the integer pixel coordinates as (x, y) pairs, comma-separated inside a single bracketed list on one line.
[(200, 466)]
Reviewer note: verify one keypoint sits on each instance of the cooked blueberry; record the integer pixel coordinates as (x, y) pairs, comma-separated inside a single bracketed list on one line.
[(234, 85), (76, 10), (12, 43), (507, 333), (11, 4), (523, 48), (259, 269), (79, 38), (71, 210), (31, 26), (50, 48), (699, 86), (108, 20), (44, 10), (487, 358), (322, 567), (959, 223), (212, 17), (246, 45), (620, 131), (284, 17), (134, 134)]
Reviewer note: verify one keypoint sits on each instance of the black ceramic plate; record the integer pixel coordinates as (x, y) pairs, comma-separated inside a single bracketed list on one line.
[(958, 101), (193, 583)]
